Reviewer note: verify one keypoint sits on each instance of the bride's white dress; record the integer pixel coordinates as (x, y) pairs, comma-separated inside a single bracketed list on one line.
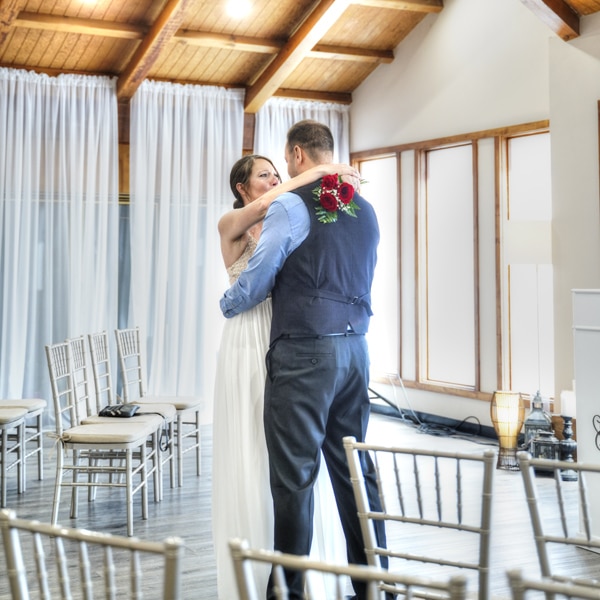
[(241, 497)]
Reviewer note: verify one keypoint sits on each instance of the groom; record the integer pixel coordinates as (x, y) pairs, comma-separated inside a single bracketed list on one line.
[(316, 255)]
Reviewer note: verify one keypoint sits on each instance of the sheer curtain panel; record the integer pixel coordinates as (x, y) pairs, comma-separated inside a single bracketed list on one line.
[(184, 140), (58, 218), (278, 114)]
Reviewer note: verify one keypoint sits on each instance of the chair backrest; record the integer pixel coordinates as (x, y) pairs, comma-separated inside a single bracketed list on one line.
[(101, 369), (129, 353), (78, 364), (244, 557), (437, 509), (66, 408), (52, 561), (520, 586), (557, 534)]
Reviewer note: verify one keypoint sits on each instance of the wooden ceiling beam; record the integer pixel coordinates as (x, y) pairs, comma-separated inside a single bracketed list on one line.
[(162, 30), (287, 54), (9, 11), (557, 15), (250, 44), (229, 42), (349, 53), (194, 38), (82, 26), (337, 97), (426, 6), (314, 27)]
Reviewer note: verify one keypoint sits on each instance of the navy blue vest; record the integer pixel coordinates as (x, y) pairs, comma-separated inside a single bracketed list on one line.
[(324, 286)]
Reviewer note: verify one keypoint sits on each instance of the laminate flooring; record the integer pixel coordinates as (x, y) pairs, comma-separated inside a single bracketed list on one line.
[(186, 512)]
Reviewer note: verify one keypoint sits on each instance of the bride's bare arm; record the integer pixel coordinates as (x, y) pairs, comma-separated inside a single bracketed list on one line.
[(236, 222)]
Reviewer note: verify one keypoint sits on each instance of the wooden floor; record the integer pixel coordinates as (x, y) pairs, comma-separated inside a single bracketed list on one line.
[(186, 512)]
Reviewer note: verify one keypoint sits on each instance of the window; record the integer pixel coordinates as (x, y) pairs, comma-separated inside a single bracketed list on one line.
[(463, 292), (447, 260), (381, 189), (526, 269)]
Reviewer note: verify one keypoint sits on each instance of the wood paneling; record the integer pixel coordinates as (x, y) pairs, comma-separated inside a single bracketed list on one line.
[(308, 49), (299, 48)]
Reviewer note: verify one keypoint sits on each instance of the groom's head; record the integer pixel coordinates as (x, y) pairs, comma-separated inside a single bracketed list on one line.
[(309, 143)]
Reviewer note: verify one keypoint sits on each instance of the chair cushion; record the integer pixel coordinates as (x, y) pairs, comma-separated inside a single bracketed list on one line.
[(30, 404), (166, 411), (114, 431), (10, 415), (148, 419), (179, 402)]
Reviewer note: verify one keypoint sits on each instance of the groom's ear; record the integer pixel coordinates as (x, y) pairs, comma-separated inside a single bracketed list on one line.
[(299, 155)]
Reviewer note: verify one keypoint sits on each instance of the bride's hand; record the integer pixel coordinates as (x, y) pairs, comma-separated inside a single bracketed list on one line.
[(350, 175)]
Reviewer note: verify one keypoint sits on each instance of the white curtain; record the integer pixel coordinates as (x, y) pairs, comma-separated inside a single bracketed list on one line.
[(184, 140), (58, 219), (278, 114)]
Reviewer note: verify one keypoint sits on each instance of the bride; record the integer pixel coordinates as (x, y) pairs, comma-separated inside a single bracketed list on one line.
[(241, 498)]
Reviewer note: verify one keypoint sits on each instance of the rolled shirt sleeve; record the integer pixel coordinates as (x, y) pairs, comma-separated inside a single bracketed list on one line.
[(285, 227)]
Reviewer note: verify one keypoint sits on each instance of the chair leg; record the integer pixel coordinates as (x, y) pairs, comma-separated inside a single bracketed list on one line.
[(40, 446), (172, 453), (195, 436), (75, 489), (34, 435), (198, 446), (129, 492), (4, 469), (21, 458), (57, 482), (179, 443), (144, 483), (92, 478), (157, 466)]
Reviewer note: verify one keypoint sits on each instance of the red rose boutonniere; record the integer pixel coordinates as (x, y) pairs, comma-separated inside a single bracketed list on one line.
[(334, 195)]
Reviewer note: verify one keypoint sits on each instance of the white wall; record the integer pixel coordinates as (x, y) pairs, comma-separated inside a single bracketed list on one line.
[(482, 64), (476, 65), (574, 95)]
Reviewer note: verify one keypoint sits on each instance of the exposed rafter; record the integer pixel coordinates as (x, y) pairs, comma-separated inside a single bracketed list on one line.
[(354, 54), (232, 42), (158, 38), (83, 26), (9, 10), (265, 46), (314, 27), (557, 15), (339, 97), (194, 38), (163, 29), (428, 6)]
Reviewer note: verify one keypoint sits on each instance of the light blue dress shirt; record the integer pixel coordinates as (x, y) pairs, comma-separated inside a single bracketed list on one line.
[(286, 226)]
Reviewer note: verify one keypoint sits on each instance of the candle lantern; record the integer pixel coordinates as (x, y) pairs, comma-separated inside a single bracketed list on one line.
[(537, 420), (545, 445)]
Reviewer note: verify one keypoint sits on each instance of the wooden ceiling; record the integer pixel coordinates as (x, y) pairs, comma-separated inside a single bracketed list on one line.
[(300, 48), (308, 49)]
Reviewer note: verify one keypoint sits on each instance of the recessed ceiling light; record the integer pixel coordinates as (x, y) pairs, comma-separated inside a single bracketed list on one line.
[(239, 8)]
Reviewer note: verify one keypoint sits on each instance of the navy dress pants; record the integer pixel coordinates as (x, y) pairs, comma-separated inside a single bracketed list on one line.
[(316, 394)]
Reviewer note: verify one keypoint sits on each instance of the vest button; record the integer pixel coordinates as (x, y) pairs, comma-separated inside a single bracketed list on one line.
[(314, 361)]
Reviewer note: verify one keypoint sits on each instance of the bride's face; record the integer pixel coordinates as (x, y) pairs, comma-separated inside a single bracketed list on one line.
[(263, 177)]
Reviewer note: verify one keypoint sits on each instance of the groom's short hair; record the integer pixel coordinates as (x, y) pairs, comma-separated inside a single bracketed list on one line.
[(313, 137)]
